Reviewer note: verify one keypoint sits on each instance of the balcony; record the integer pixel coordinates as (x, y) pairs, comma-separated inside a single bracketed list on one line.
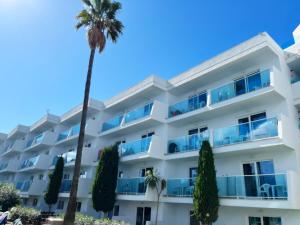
[(131, 186), (263, 191), (269, 186), (88, 157), (37, 163), (188, 105), (112, 123), (134, 189), (138, 150), (84, 187), (31, 187), (245, 85), (143, 117), (246, 132), (70, 136), (8, 167), (40, 141), (14, 148), (189, 145)]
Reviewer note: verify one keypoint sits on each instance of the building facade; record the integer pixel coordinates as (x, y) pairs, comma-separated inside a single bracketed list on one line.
[(245, 101)]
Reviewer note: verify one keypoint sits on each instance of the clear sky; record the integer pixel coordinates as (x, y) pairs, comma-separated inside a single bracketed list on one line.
[(43, 60)]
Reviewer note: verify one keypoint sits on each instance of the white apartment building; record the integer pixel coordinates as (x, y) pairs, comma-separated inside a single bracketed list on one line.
[(245, 101)]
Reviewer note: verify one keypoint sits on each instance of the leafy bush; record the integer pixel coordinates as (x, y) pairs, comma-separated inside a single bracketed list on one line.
[(8, 196), (27, 215), (110, 222), (82, 219)]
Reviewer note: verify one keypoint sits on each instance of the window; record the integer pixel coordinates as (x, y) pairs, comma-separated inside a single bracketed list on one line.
[(66, 176), (83, 174), (60, 205), (264, 220), (116, 210), (143, 171), (34, 202), (78, 206), (41, 176), (240, 86), (121, 174)]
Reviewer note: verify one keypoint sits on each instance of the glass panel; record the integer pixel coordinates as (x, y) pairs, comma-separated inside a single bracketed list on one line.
[(69, 133), (138, 113), (188, 105), (187, 143), (29, 162), (23, 186), (223, 93), (135, 147), (131, 186), (259, 129), (254, 82), (240, 87), (112, 123), (180, 187)]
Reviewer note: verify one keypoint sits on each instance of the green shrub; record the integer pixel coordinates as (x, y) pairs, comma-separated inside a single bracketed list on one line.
[(109, 222), (27, 215), (8, 196), (81, 219)]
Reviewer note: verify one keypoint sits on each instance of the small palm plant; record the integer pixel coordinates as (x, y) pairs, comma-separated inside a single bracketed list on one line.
[(154, 181)]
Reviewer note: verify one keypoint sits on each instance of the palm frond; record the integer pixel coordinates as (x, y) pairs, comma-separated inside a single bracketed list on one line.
[(111, 13), (87, 2), (104, 7)]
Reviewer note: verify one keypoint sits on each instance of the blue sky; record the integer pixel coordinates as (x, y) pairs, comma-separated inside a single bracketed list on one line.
[(44, 60)]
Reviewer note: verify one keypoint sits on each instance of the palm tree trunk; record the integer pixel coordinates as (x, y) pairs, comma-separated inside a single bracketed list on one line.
[(156, 216), (70, 214)]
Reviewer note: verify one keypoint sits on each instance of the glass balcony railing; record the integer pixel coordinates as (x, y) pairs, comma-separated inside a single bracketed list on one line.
[(23, 186), (188, 105), (8, 147), (65, 186), (135, 147), (180, 187), (138, 113), (68, 157), (112, 123), (3, 166), (242, 86), (259, 129), (269, 186), (69, 133), (29, 162), (295, 79), (131, 186), (187, 143), (35, 140)]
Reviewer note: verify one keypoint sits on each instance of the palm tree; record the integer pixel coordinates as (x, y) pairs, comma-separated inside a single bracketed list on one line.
[(99, 18), (154, 181)]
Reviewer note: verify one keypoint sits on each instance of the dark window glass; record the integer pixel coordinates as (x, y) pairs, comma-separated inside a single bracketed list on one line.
[(240, 87)]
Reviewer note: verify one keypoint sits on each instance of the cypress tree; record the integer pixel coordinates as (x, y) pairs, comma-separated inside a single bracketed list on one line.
[(51, 195), (105, 182), (206, 201)]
